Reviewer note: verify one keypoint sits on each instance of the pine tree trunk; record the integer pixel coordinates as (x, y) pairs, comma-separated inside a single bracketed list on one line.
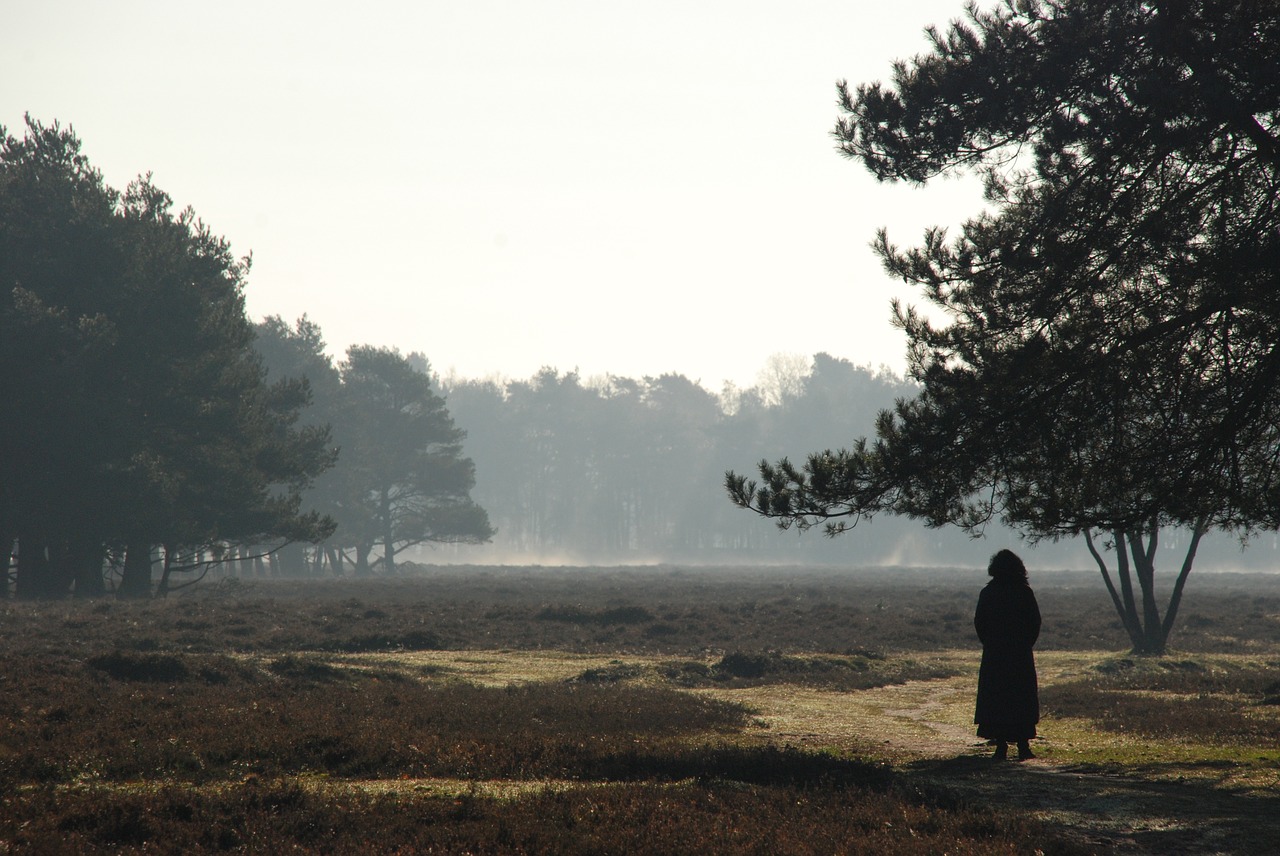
[(291, 560), (1127, 619), (60, 575), (6, 563), (135, 580), (86, 562), (32, 578), (388, 535), (1175, 599), (1147, 631), (1132, 622), (1144, 556), (170, 554)]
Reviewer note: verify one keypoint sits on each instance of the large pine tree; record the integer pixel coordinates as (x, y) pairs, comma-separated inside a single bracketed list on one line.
[(1109, 360), (137, 413)]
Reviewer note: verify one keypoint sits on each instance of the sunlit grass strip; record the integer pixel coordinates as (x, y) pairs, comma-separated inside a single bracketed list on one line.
[(501, 668), (444, 787)]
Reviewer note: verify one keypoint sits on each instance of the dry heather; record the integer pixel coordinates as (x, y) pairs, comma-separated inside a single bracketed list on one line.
[(626, 711)]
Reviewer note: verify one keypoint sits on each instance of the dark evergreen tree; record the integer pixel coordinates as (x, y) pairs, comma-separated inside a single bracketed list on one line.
[(298, 354), (404, 479), (138, 414)]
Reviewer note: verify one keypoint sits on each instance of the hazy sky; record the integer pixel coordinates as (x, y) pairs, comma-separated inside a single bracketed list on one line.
[(624, 187)]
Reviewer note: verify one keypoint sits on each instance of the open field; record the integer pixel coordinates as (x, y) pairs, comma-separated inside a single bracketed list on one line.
[(498, 710)]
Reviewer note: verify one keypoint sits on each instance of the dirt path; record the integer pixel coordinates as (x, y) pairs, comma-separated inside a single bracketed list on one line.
[(901, 723), (924, 728)]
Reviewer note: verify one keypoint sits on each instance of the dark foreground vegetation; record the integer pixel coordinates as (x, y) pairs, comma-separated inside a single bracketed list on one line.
[(248, 717)]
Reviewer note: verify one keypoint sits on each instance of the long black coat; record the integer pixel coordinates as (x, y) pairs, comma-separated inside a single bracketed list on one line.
[(1008, 623)]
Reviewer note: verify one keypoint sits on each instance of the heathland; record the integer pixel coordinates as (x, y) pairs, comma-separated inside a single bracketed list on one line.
[(625, 710)]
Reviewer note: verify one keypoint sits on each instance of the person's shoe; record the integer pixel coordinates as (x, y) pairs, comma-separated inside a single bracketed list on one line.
[(1024, 751), (1002, 752)]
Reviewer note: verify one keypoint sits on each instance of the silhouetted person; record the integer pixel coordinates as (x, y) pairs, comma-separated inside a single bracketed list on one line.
[(1008, 623)]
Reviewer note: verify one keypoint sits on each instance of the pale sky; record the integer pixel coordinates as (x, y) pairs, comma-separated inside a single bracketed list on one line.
[(614, 187)]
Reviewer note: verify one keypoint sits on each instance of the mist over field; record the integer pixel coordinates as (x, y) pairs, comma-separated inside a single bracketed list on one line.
[(621, 471)]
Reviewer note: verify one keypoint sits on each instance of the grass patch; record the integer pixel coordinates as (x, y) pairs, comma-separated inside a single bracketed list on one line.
[(1211, 701)]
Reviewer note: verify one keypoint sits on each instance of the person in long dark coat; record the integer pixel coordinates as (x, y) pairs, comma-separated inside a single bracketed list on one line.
[(1008, 623)]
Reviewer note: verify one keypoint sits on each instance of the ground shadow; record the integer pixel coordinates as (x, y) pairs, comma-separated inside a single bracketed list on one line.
[(1130, 813), (756, 765)]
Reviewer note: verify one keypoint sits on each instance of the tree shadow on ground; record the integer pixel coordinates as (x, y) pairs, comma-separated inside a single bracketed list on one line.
[(756, 765), (1143, 811)]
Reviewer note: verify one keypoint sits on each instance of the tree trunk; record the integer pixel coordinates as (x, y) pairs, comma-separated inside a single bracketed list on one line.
[(62, 569), (135, 579), (1144, 566), (32, 578), (388, 534), (1126, 617), (1126, 588), (162, 590), (6, 563), (292, 560), (1175, 599), (244, 568), (1147, 631), (86, 564)]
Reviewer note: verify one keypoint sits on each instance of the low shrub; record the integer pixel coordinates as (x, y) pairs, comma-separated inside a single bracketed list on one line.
[(124, 666), (298, 713), (1173, 698), (607, 617), (863, 670), (710, 817)]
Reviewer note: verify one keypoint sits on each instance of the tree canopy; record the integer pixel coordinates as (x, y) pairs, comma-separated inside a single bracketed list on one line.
[(1107, 356), (400, 479), (137, 414)]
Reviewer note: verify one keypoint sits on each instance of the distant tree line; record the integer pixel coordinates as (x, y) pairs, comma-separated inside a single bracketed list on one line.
[(560, 468), (616, 469), (601, 470)]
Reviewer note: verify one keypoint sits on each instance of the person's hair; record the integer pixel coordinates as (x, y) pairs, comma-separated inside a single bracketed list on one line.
[(1007, 567)]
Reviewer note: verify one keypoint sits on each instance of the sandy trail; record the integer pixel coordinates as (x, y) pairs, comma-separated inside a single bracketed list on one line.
[(903, 722), (925, 729)]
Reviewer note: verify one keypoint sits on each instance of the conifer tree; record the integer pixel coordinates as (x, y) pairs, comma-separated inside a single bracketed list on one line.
[(1109, 360)]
